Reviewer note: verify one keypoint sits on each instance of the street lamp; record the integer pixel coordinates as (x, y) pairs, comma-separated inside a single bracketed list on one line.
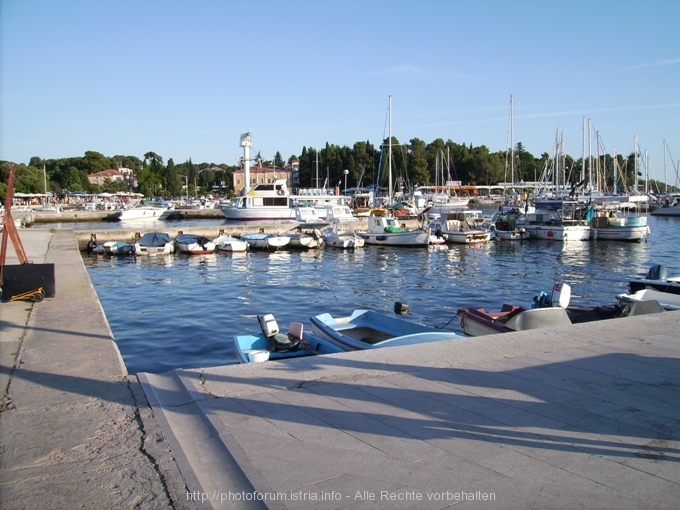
[(345, 171)]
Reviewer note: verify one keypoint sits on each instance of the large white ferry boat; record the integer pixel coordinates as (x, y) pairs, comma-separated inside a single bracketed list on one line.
[(273, 201)]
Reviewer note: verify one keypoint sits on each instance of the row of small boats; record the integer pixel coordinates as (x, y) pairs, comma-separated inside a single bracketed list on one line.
[(160, 243), (369, 329)]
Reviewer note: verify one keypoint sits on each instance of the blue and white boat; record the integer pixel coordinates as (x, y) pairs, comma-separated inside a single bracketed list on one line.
[(273, 345), (368, 329)]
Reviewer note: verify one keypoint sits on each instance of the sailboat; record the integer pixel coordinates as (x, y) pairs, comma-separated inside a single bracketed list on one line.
[(504, 222), (47, 207), (383, 228)]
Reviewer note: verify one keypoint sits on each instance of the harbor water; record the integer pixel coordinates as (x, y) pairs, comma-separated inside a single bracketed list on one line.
[(182, 311)]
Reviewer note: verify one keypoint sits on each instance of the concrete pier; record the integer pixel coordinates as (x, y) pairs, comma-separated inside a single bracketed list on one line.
[(584, 416), (75, 430)]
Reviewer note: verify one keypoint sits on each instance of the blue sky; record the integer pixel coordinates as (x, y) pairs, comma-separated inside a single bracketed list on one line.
[(185, 79)]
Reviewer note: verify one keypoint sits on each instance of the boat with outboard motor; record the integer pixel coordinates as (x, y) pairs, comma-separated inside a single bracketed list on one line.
[(271, 344), (369, 329), (547, 312), (656, 279), (667, 300), (194, 244)]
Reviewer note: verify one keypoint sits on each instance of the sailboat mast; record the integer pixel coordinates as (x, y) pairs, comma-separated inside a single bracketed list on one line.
[(389, 145), (512, 145)]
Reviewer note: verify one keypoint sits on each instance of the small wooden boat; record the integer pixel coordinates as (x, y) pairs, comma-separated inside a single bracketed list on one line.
[(230, 243), (118, 248), (368, 329), (273, 345), (194, 244)]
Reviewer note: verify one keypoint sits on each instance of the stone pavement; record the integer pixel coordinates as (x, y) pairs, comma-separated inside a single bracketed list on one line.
[(580, 417), (75, 431)]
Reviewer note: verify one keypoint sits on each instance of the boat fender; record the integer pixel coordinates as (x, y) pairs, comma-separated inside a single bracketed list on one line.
[(92, 244)]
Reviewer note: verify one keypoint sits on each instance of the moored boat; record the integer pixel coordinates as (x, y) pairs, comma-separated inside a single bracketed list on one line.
[(368, 329), (194, 244), (230, 243), (271, 344), (154, 243), (142, 211), (384, 230), (456, 228), (656, 279), (263, 241), (118, 248), (667, 300)]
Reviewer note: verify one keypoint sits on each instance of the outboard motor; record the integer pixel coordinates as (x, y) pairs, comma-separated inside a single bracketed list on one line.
[(269, 326), (561, 295), (657, 272)]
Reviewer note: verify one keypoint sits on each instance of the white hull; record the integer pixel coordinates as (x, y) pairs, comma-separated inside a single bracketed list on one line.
[(469, 237), (154, 250), (265, 242), (344, 241), (229, 243), (559, 232), (409, 238), (142, 213), (512, 235), (118, 248), (196, 248), (620, 233), (667, 211), (667, 300)]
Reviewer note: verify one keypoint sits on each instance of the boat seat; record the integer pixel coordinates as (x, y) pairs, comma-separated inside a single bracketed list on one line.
[(296, 330), (539, 318)]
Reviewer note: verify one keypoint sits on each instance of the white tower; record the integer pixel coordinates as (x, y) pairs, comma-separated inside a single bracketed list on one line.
[(246, 142)]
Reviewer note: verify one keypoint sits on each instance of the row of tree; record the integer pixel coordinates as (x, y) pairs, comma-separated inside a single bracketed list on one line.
[(414, 163)]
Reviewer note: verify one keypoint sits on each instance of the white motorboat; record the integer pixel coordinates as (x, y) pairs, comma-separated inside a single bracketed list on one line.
[(118, 248), (504, 225), (456, 228), (368, 329), (142, 211), (384, 230), (656, 279), (667, 300), (342, 230), (668, 209), (262, 241), (230, 243), (154, 243), (194, 244)]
